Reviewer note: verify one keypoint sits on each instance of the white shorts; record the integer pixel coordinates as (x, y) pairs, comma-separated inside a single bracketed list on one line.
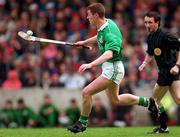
[(113, 71)]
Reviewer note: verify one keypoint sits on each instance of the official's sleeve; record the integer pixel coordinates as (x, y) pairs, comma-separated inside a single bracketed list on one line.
[(112, 42), (172, 41)]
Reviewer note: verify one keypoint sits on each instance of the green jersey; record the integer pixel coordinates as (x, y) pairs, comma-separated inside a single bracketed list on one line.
[(109, 38), (48, 115), (73, 114), (9, 115), (24, 115)]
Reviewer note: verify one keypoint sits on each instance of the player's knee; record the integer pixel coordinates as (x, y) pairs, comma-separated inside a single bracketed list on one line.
[(114, 103), (85, 93)]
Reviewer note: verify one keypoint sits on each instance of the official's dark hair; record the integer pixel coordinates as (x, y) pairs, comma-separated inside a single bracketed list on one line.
[(155, 15), (97, 8)]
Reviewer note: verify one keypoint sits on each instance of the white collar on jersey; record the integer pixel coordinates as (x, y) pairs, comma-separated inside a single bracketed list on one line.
[(103, 26)]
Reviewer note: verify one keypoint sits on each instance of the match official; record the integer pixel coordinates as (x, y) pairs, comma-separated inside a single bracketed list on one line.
[(164, 48)]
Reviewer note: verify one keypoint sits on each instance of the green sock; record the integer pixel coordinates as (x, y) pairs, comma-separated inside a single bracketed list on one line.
[(83, 120), (161, 109), (143, 101)]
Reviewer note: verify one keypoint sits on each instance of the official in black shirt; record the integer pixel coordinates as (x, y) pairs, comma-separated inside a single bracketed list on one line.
[(164, 48)]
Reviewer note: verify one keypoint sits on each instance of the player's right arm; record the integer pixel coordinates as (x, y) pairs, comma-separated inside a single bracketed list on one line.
[(87, 41), (147, 59)]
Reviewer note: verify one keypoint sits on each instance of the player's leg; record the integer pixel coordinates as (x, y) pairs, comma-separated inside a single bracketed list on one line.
[(158, 93), (112, 94), (115, 73), (128, 99), (94, 87), (175, 91)]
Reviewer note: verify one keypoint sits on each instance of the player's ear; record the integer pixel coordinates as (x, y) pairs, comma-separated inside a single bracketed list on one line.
[(96, 15)]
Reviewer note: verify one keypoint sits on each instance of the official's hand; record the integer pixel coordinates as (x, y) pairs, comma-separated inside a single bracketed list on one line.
[(142, 66), (174, 70), (83, 67)]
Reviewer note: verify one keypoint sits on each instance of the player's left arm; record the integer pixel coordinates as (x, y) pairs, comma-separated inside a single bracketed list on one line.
[(112, 45), (104, 57)]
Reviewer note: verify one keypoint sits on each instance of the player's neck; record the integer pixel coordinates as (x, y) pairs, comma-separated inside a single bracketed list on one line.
[(101, 22)]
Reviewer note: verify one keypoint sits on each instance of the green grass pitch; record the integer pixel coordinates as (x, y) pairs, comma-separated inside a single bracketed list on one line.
[(90, 132)]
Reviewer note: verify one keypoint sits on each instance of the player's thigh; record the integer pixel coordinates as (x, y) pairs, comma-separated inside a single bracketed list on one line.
[(175, 91), (159, 92), (112, 93), (96, 86)]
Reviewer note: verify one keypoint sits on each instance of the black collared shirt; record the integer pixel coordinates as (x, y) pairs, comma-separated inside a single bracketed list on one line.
[(164, 47)]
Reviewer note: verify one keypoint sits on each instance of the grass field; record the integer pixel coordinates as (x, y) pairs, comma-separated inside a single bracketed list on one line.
[(90, 132)]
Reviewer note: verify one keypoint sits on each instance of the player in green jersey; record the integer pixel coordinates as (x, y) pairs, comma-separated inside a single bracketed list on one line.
[(109, 41)]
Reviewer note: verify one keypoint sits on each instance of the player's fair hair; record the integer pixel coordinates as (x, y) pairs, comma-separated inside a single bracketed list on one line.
[(155, 15), (97, 8)]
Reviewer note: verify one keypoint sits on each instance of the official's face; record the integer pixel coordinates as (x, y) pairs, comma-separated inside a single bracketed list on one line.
[(92, 18), (150, 24)]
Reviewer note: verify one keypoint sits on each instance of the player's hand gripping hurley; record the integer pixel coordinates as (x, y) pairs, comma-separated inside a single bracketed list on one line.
[(28, 36)]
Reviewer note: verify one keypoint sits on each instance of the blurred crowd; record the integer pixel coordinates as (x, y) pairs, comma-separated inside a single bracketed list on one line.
[(47, 116), (30, 64), (21, 115)]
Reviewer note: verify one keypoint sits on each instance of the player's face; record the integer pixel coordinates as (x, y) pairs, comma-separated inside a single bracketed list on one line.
[(150, 24), (92, 18)]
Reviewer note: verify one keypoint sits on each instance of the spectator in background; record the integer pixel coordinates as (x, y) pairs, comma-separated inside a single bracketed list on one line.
[(1, 122), (7, 116), (63, 119), (49, 53), (25, 116), (76, 28), (74, 81), (13, 82), (175, 29), (50, 66), (29, 78), (59, 58), (55, 81), (51, 13), (48, 113), (3, 70), (73, 111), (98, 116), (46, 80), (71, 79)]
